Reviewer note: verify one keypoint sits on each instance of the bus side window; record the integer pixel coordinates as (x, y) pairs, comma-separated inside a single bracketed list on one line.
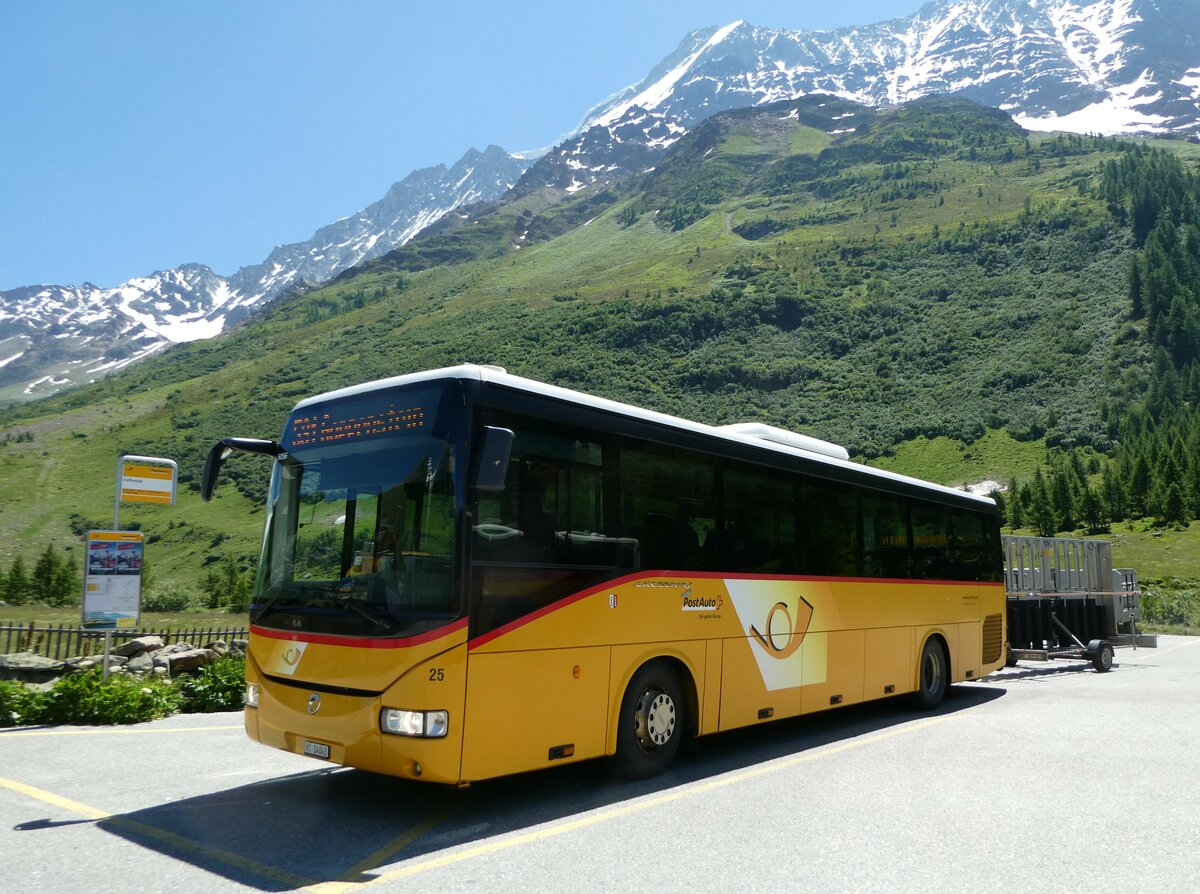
[(931, 542), (886, 545), (971, 548), (760, 513), (830, 529), (667, 505)]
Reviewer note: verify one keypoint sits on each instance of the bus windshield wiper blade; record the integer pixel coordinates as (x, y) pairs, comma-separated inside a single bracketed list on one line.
[(379, 619)]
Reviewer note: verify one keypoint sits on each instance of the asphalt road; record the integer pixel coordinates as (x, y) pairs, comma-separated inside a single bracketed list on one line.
[(1041, 778)]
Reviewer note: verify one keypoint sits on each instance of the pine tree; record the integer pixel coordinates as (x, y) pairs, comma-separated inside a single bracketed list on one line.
[(1093, 511), (44, 573), (1063, 499), (1114, 494), (1141, 483), (1174, 512), (1016, 512), (68, 589), (19, 589), (1136, 299), (1041, 508)]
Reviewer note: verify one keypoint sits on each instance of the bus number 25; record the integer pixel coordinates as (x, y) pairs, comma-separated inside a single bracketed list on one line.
[(437, 674)]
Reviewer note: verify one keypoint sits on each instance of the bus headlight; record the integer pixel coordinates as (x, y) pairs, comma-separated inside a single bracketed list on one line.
[(251, 695), (422, 724)]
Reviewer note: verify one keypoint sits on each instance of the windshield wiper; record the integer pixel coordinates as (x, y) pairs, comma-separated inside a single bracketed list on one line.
[(387, 622)]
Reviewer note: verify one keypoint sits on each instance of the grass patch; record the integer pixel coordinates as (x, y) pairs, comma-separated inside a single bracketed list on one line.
[(997, 456)]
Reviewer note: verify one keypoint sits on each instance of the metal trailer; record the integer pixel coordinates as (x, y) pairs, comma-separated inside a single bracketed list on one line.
[(1063, 593)]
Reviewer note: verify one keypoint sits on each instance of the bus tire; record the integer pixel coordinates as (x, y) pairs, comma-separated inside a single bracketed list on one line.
[(651, 723), (933, 675)]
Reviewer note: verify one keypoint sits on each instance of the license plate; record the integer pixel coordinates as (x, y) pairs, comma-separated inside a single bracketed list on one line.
[(316, 749)]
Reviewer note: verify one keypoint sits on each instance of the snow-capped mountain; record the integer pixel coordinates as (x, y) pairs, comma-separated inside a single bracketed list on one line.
[(627, 144), (1106, 66), (55, 336)]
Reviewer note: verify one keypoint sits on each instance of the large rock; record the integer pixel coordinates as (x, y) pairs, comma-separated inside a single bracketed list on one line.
[(141, 664), (90, 661), (29, 668), (138, 646), (182, 662)]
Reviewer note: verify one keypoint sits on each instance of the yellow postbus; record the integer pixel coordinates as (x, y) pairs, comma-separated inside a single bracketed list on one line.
[(466, 574)]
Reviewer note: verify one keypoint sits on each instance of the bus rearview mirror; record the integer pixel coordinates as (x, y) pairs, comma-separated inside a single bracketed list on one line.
[(221, 451)]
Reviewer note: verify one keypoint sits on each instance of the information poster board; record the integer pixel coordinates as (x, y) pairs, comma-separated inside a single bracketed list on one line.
[(112, 580), (147, 480)]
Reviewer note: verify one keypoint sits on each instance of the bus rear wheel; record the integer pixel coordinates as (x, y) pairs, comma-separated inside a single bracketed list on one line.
[(652, 721), (933, 676)]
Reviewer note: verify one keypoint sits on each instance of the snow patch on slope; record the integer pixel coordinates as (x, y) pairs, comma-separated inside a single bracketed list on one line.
[(653, 95)]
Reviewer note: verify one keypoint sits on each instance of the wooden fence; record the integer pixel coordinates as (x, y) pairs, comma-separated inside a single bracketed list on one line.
[(66, 642)]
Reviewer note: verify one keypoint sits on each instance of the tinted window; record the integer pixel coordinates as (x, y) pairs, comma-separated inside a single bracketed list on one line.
[(667, 506), (829, 529), (759, 532), (886, 541)]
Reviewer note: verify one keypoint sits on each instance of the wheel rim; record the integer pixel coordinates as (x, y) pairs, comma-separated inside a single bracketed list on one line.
[(654, 719), (931, 670), (1106, 657)]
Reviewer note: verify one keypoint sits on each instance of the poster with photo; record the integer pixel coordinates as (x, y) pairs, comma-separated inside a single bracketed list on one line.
[(112, 580)]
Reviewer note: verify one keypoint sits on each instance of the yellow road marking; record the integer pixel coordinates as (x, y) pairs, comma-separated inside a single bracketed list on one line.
[(50, 798), (160, 835), (639, 806), (115, 732)]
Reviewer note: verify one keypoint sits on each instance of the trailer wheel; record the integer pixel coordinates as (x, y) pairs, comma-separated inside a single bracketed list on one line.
[(1102, 655), (652, 722), (934, 676)]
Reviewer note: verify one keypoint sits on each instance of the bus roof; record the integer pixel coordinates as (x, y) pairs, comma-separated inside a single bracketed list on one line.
[(747, 434)]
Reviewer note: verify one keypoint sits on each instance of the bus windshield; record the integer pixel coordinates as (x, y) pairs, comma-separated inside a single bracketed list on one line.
[(361, 532)]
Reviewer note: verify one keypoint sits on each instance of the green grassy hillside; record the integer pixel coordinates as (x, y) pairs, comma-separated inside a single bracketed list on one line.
[(937, 290)]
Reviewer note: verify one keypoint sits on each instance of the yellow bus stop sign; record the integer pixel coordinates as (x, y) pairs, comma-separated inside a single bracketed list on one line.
[(142, 482)]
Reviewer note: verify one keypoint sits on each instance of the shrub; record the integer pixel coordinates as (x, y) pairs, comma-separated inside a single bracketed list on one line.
[(1171, 603), (84, 698), (19, 705), (173, 599), (219, 686), (213, 688)]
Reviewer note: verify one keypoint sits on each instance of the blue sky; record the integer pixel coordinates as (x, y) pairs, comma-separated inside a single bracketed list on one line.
[(137, 136)]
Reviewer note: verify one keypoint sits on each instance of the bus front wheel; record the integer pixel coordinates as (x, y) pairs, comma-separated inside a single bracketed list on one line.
[(651, 723), (933, 676)]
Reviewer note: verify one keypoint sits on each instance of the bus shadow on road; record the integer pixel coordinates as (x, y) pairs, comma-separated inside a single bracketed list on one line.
[(339, 825)]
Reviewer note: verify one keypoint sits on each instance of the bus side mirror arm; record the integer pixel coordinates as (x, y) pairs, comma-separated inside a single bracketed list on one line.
[(222, 450), (492, 471)]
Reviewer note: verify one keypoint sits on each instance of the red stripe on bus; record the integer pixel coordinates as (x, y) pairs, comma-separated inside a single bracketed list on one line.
[(359, 642), (484, 639)]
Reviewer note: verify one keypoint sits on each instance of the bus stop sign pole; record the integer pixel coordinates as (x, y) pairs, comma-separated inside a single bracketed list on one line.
[(140, 479)]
